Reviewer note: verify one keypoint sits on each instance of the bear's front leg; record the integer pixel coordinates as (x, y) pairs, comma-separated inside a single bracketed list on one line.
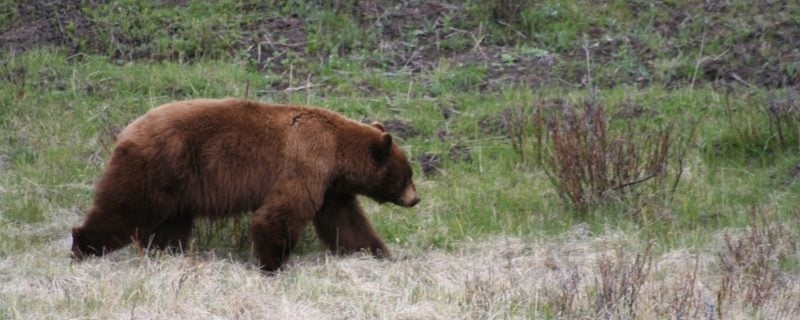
[(343, 227), (172, 234), (276, 228)]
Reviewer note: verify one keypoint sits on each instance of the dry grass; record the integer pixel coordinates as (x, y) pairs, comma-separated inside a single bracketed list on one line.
[(577, 276)]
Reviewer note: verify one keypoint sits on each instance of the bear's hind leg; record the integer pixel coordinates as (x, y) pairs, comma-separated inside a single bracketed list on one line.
[(343, 227), (172, 234)]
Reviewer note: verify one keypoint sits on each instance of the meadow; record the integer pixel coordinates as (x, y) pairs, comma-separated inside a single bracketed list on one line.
[(575, 159)]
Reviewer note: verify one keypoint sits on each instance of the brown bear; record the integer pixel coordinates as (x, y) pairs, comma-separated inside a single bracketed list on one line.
[(289, 165)]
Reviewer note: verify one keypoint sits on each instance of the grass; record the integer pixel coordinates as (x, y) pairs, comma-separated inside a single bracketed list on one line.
[(492, 237)]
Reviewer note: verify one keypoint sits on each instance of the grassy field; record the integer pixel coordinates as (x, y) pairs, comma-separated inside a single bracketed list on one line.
[(586, 159)]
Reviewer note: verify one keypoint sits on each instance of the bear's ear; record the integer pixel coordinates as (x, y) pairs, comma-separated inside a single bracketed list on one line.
[(386, 142), (383, 147), (379, 126)]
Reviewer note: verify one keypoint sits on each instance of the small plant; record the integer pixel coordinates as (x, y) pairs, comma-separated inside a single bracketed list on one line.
[(508, 11), (756, 127), (562, 299), (527, 129), (619, 283), (784, 119), (748, 264)]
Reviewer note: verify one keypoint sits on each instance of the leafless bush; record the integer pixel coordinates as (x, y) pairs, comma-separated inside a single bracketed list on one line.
[(619, 282), (592, 162), (563, 297), (682, 297), (588, 160), (479, 296), (749, 264)]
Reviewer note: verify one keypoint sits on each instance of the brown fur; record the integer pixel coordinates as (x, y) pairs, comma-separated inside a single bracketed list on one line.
[(290, 165)]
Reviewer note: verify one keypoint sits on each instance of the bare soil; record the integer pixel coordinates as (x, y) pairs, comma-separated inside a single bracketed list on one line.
[(43, 23), (430, 163), (271, 40), (416, 35)]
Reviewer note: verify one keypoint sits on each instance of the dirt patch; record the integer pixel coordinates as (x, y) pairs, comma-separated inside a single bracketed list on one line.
[(47, 23), (400, 128), (460, 153), (272, 42), (414, 35), (762, 52), (417, 35), (765, 58), (430, 163), (508, 67)]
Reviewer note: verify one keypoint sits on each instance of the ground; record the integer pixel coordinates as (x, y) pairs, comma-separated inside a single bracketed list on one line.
[(576, 273)]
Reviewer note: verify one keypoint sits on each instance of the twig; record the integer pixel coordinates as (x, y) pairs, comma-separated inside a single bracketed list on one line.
[(133, 309), (588, 62), (738, 78), (700, 59), (519, 33), (299, 88), (636, 182)]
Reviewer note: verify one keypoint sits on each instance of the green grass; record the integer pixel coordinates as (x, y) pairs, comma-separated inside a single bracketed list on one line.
[(57, 143)]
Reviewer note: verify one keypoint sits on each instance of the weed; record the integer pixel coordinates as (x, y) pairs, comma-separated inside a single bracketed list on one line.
[(563, 299), (619, 283), (756, 126), (749, 264), (784, 119)]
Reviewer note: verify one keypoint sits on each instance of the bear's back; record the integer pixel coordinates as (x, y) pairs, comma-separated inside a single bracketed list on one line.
[(225, 155)]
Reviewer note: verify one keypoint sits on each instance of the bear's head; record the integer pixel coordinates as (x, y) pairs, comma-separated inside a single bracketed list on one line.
[(390, 178), (87, 242), (80, 250)]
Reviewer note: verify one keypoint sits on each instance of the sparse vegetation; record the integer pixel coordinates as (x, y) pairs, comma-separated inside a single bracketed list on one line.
[(672, 128)]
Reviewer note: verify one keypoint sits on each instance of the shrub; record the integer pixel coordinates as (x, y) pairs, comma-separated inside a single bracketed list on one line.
[(589, 161)]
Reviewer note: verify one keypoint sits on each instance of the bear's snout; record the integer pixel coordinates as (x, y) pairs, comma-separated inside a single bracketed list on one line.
[(410, 197), (414, 202)]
